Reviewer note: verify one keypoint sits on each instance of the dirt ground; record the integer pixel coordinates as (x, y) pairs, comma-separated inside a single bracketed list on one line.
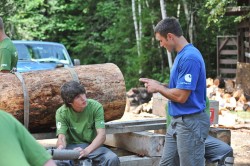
[(240, 138), (240, 142)]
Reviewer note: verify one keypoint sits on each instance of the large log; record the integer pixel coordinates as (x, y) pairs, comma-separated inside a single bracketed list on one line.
[(103, 82)]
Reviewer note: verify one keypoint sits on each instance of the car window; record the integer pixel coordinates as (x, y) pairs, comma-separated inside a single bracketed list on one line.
[(23, 52), (42, 52)]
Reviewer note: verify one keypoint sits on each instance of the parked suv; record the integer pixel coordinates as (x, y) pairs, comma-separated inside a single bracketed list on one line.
[(40, 55)]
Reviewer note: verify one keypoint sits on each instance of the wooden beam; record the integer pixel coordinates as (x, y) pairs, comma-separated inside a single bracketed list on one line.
[(134, 160), (229, 52), (246, 44), (228, 61), (237, 10), (136, 125), (146, 143), (222, 134), (48, 135), (227, 71)]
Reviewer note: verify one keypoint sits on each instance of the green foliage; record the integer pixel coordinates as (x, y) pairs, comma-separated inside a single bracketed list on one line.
[(217, 10), (103, 31)]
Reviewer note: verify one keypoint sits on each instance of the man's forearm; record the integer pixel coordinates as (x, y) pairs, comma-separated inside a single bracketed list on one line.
[(176, 95)]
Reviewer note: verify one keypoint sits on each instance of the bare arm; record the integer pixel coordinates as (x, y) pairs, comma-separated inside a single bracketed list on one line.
[(50, 163), (61, 142), (96, 143), (174, 94)]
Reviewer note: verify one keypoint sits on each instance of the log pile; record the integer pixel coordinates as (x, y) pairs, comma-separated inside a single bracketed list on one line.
[(230, 96), (103, 82), (139, 100)]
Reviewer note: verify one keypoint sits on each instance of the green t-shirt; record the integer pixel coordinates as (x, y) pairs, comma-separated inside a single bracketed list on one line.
[(79, 127), (18, 146), (8, 55)]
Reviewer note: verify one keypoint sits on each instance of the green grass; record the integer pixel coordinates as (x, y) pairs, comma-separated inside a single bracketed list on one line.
[(242, 114)]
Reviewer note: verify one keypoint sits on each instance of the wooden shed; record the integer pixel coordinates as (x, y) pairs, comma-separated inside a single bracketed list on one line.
[(234, 51)]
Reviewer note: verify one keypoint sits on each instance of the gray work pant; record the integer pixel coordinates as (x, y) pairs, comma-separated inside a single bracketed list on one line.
[(102, 156), (215, 151), (186, 138)]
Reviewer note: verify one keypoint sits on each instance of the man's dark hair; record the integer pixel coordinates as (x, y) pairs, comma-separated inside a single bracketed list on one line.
[(70, 90), (169, 25)]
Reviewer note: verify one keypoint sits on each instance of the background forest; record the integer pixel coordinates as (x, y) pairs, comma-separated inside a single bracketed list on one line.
[(120, 31)]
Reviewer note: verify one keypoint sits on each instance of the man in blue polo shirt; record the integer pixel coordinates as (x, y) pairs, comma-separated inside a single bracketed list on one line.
[(187, 97)]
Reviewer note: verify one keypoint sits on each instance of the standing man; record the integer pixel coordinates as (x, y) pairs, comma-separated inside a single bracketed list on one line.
[(18, 146), (187, 97), (8, 53), (80, 126)]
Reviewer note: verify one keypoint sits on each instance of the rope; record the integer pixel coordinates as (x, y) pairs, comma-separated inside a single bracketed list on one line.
[(73, 73), (25, 100)]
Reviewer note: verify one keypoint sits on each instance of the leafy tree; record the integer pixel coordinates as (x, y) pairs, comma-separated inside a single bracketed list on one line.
[(103, 31)]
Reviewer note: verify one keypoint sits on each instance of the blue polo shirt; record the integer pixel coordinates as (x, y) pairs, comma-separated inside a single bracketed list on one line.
[(188, 72)]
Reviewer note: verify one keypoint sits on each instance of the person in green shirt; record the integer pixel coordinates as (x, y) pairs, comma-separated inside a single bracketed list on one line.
[(80, 126), (8, 53), (18, 146)]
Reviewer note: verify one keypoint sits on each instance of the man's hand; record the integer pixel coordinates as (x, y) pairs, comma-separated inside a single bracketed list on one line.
[(83, 152), (151, 85)]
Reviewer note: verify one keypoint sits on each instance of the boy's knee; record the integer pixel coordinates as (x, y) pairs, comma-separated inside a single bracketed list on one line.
[(111, 159)]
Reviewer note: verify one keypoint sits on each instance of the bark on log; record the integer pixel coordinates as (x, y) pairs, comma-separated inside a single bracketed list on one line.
[(103, 82)]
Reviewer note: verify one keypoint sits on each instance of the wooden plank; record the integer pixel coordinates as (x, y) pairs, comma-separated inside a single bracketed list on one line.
[(246, 44), (146, 143), (229, 52), (134, 160), (137, 125), (246, 34), (159, 105), (237, 10), (227, 71), (48, 135), (231, 42), (222, 134), (47, 143), (228, 61), (134, 122), (222, 42)]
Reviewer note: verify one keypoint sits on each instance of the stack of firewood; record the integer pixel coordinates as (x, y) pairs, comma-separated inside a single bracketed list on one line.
[(230, 96), (139, 100)]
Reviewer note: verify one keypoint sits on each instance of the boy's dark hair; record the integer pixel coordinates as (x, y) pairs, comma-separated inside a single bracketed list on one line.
[(70, 90), (169, 25)]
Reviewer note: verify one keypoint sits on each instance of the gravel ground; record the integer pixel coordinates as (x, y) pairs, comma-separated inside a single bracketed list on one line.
[(240, 142)]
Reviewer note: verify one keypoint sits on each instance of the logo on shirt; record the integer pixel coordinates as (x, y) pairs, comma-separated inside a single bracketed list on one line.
[(188, 78), (58, 125), (4, 65)]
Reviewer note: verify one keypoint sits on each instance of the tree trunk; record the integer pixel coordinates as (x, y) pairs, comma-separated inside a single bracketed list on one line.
[(136, 29), (103, 82), (164, 15), (190, 22)]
